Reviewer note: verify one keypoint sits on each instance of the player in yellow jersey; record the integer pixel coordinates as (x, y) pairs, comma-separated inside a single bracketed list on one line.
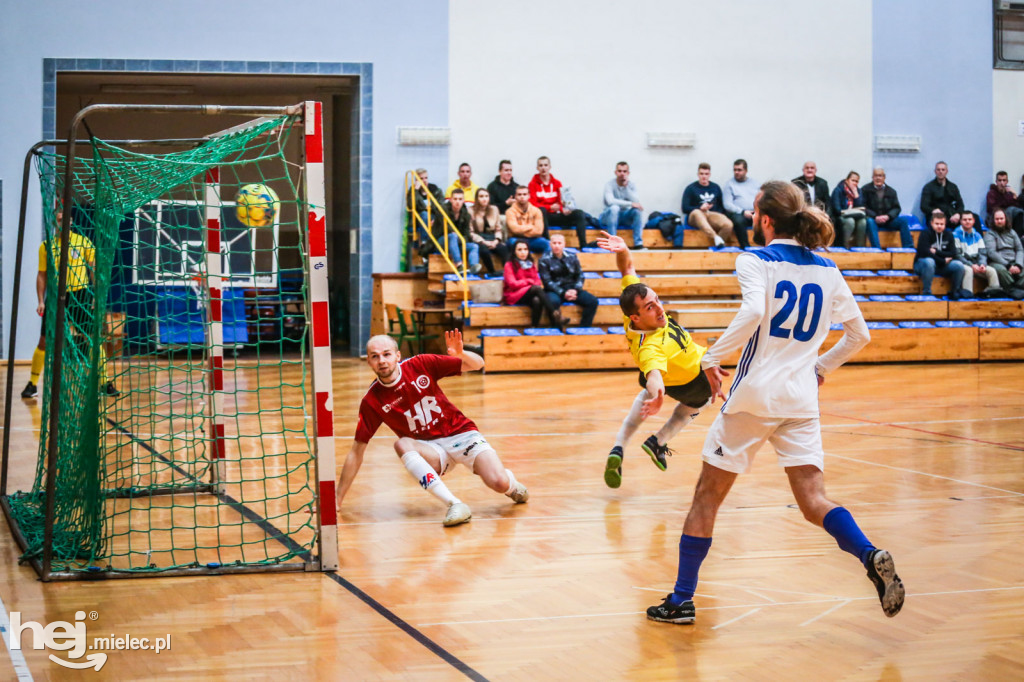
[(668, 360), (81, 261)]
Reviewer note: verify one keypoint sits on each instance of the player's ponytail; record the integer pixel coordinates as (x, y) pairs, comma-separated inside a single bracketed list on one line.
[(784, 203)]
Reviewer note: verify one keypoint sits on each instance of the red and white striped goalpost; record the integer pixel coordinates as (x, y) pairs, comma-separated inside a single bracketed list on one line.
[(320, 332), (215, 337)]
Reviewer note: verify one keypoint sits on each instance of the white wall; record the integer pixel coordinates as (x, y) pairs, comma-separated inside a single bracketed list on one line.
[(1007, 111), (774, 82)]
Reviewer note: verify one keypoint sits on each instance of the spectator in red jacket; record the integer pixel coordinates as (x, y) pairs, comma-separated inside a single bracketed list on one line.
[(1001, 196), (523, 287), (547, 194)]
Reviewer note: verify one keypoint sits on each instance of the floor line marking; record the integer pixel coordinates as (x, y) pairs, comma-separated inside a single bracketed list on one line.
[(822, 615), (923, 473), (21, 671), (721, 608), (730, 622), (930, 433)]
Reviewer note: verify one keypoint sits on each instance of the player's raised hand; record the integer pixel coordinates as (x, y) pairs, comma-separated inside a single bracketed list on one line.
[(715, 375), (611, 242), (453, 340)]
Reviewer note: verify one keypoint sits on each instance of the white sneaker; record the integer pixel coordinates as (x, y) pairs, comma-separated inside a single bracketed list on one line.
[(457, 513), (719, 242), (520, 494)]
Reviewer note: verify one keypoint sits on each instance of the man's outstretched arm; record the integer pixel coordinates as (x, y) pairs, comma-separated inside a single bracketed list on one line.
[(470, 360), (623, 260), (350, 469)]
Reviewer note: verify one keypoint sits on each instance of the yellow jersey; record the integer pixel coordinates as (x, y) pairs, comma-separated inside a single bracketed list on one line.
[(81, 254), (670, 349), (469, 193)]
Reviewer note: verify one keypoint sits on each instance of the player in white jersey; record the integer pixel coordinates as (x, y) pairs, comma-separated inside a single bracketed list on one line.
[(791, 297)]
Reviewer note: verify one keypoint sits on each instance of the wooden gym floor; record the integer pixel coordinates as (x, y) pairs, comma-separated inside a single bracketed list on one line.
[(929, 458)]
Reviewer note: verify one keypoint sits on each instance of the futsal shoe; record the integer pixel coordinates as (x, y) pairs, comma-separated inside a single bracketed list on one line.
[(520, 494), (613, 468), (458, 512), (882, 572), (30, 391), (668, 612), (657, 452)]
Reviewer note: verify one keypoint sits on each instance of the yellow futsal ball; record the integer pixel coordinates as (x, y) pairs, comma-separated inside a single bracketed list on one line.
[(257, 205)]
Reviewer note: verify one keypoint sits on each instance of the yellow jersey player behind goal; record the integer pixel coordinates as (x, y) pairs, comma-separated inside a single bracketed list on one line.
[(668, 360)]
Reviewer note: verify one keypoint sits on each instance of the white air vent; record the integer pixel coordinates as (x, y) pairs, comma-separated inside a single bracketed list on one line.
[(412, 137), (898, 143), (672, 140)]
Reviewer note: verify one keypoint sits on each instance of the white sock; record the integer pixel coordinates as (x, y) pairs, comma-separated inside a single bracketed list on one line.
[(718, 240), (681, 416), (428, 479), (632, 421), (512, 482)]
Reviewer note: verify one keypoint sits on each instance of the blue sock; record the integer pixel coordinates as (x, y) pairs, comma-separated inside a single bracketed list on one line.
[(839, 524), (692, 551)]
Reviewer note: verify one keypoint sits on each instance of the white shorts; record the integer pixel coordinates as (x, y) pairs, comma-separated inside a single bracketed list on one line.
[(735, 438), (461, 448)]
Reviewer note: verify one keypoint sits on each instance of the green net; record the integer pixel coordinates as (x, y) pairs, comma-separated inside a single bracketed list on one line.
[(139, 484)]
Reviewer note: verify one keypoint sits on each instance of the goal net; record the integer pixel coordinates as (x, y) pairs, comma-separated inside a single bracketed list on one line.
[(192, 393)]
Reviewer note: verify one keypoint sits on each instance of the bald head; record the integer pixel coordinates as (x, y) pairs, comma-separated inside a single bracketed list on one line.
[(382, 356), (380, 342)]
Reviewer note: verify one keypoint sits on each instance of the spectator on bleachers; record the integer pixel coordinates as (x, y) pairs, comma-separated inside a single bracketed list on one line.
[(548, 194), (523, 287), (738, 200), (1005, 253), (457, 211), (702, 206), (465, 183), (1001, 196), (503, 187), (422, 188), (622, 205), (563, 280), (971, 251), (882, 206), (848, 207), (943, 194), (815, 189), (485, 230), (524, 221), (937, 255)]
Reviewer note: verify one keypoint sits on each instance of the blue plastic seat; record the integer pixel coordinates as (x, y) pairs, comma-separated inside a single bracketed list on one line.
[(542, 331), (585, 331), (952, 324), (499, 331), (916, 324), (896, 273), (885, 298), (882, 325), (990, 324)]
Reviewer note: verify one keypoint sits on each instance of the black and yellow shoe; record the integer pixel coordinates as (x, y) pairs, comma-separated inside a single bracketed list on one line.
[(613, 468), (657, 453)]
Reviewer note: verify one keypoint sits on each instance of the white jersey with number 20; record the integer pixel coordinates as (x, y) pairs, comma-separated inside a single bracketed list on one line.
[(791, 297)]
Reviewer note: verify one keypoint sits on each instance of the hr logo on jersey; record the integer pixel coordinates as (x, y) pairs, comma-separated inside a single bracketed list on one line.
[(422, 412), (422, 382), (427, 480)]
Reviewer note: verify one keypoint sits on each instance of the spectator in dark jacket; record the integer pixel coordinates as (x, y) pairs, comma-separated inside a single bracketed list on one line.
[(503, 187), (848, 207), (703, 208), (421, 188), (937, 255), (563, 280), (815, 189), (1005, 253), (458, 213), (942, 194), (1001, 196), (882, 206)]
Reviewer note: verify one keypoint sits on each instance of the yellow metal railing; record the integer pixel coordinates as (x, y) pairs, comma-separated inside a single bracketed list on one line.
[(412, 181)]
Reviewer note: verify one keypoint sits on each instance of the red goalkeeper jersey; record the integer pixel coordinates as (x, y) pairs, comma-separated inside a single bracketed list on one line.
[(414, 406)]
